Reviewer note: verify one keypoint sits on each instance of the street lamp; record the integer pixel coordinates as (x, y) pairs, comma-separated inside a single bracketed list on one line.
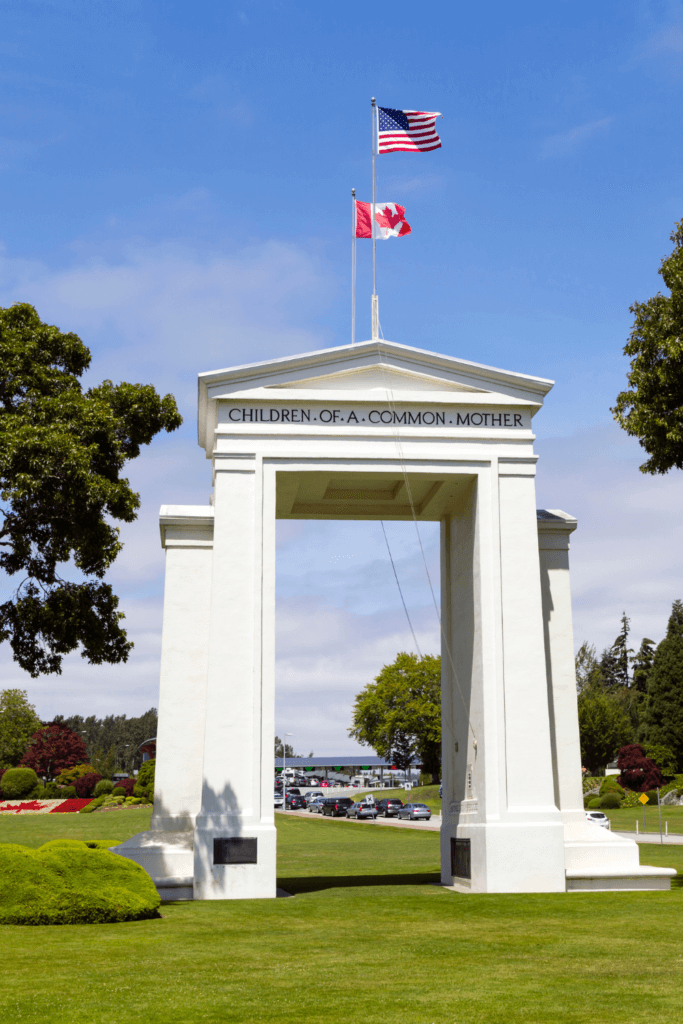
[(284, 774)]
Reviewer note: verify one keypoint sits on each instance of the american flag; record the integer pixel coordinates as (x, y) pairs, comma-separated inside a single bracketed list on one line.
[(407, 131)]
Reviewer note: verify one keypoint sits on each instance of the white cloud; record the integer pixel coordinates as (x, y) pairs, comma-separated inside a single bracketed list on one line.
[(567, 141)]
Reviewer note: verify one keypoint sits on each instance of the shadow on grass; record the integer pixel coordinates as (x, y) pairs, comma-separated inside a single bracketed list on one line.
[(315, 883)]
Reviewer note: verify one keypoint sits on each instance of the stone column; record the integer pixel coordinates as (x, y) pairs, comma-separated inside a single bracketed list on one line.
[(187, 536), (554, 530), (498, 785), (234, 842)]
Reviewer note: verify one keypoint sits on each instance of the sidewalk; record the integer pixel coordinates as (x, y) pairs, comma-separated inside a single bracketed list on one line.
[(652, 837)]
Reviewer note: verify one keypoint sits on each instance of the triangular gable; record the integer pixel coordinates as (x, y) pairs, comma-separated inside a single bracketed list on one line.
[(379, 377)]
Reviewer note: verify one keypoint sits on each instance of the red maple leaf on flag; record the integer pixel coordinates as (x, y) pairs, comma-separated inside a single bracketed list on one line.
[(386, 219)]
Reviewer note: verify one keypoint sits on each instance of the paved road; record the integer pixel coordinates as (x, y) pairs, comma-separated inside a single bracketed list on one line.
[(434, 825), (652, 837)]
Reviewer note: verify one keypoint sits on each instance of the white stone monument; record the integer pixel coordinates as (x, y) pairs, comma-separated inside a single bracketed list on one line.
[(376, 431)]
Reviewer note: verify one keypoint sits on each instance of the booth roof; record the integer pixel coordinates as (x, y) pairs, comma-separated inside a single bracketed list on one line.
[(335, 762)]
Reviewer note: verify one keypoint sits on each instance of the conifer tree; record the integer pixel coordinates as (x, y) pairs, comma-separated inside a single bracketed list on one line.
[(665, 697), (642, 666)]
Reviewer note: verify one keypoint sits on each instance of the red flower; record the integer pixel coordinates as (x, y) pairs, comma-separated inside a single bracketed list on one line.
[(70, 805), (32, 805)]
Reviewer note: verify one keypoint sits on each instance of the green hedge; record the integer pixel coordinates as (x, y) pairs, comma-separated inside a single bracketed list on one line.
[(594, 804), (103, 787), (18, 783), (69, 882), (610, 802)]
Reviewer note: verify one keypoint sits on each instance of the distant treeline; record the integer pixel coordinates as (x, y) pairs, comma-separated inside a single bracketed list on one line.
[(113, 740)]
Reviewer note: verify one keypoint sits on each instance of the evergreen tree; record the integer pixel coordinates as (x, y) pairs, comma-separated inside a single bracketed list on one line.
[(665, 696), (614, 663), (642, 666)]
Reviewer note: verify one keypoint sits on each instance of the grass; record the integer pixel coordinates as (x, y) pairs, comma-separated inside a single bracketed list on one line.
[(419, 795), (624, 819), (359, 944), (36, 829)]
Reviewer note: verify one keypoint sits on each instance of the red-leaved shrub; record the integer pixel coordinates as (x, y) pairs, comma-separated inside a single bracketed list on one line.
[(126, 784), (86, 784), (638, 772)]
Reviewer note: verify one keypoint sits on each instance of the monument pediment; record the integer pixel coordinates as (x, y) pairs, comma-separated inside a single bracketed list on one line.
[(367, 372)]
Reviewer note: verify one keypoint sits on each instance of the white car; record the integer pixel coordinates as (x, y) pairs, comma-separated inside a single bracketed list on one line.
[(598, 817), (279, 801)]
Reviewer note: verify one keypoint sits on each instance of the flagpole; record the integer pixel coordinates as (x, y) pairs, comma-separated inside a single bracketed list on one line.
[(353, 266), (375, 310)]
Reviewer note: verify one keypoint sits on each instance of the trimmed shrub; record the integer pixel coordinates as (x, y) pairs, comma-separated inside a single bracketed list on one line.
[(594, 804), (68, 793), (144, 786), (17, 783), (69, 882), (85, 784), (103, 787), (610, 802), (652, 794), (118, 791), (52, 791), (128, 785), (68, 776), (610, 785)]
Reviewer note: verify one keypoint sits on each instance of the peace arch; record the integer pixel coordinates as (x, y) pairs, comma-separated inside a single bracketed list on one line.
[(374, 431)]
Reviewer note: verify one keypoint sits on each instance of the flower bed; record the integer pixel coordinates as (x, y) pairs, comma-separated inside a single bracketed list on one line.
[(71, 805), (18, 806)]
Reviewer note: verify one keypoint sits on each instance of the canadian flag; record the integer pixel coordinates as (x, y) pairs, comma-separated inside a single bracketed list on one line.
[(390, 220)]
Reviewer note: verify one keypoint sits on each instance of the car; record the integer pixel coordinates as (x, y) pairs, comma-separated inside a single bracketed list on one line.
[(335, 807), (293, 789), (415, 812), (279, 800), (389, 808), (295, 802), (315, 795), (598, 818), (313, 781), (315, 805), (324, 784), (361, 810)]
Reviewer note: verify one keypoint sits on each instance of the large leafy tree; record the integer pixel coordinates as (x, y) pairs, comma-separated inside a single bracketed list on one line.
[(401, 710), (665, 696), (637, 771), (18, 722), (652, 407), (603, 726), (62, 450), (52, 749)]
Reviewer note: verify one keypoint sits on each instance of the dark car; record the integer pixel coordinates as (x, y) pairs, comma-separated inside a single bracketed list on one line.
[(361, 810), (335, 807), (295, 802), (389, 808), (293, 789)]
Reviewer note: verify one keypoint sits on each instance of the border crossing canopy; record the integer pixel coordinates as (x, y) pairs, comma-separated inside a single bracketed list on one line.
[(376, 431)]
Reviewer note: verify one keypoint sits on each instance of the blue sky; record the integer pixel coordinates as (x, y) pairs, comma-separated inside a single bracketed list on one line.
[(175, 188)]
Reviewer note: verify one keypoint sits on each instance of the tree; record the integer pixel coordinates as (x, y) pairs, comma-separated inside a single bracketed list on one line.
[(18, 722), (114, 739), (665, 696), (286, 751), (638, 772), (615, 659), (587, 667), (603, 727), (662, 757), (52, 749), (403, 704), (642, 666), (62, 450), (652, 408)]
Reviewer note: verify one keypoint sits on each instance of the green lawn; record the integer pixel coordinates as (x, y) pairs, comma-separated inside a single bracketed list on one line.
[(625, 819), (419, 795), (359, 944)]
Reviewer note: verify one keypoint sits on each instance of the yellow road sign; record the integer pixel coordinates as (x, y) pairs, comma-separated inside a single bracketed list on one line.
[(643, 798)]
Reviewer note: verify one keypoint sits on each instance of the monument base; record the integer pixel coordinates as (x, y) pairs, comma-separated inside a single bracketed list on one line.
[(167, 857), (237, 866)]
